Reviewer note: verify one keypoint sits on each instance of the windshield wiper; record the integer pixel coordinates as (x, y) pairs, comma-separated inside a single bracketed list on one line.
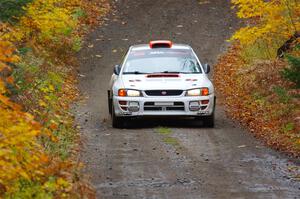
[(178, 72), (134, 72), (170, 72)]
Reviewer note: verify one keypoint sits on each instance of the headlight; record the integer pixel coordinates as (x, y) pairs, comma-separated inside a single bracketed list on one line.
[(129, 93), (198, 92)]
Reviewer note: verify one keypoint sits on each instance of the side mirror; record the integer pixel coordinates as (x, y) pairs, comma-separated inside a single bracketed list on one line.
[(117, 69), (207, 68)]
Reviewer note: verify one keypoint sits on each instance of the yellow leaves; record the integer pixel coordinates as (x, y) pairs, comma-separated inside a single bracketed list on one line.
[(44, 20), (245, 35), (51, 88), (42, 103), (62, 183), (45, 89), (2, 87), (27, 149), (20, 155), (272, 21), (249, 8)]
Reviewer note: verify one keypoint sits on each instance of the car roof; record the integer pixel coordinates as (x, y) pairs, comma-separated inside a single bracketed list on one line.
[(147, 47)]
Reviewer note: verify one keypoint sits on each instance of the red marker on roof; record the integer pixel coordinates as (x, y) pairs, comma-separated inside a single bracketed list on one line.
[(160, 44)]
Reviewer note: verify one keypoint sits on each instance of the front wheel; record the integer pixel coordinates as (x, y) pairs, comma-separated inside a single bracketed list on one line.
[(209, 121), (117, 122)]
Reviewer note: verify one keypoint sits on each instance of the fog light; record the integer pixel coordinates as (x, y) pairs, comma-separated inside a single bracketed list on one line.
[(194, 106), (133, 106), (123, 102)]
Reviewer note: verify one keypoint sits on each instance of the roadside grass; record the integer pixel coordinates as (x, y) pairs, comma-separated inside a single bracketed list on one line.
[(259, 50), (171, 141), (46, 89), (163, 130), (166, 136), (282, 94)]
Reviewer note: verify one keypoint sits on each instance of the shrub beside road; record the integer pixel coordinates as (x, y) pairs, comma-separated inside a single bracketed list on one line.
[(258, 77), (38, 140)]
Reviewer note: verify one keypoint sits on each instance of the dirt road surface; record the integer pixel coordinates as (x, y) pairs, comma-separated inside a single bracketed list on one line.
[(185, 160)]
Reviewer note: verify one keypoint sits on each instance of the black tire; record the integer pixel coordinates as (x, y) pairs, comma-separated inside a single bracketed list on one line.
[(117, 122), (109, 102), (209, 121)]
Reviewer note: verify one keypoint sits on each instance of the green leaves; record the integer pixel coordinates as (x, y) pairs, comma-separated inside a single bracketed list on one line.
[(12, 9), (292, 73), (282, 93)]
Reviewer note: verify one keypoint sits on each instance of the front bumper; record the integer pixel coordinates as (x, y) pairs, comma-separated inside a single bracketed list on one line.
[(163, 106)]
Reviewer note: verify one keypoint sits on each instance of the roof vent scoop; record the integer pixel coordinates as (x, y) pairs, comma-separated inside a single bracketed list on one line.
[(160, 44)]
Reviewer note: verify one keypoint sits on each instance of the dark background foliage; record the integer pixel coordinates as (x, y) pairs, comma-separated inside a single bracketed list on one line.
[(10, 10)]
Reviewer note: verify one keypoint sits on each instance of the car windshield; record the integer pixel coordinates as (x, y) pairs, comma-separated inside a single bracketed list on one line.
[(161, 60)]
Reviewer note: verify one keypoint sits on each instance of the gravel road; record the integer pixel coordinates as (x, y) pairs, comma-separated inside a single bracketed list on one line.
[(182, 160)]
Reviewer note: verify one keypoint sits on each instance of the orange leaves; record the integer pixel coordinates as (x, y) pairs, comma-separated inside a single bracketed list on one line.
[(10, 80), (7, 52), (20, 154), (2, 87), (6, 56), (261, 100), (5, 102), (248, 93), (91, 7)]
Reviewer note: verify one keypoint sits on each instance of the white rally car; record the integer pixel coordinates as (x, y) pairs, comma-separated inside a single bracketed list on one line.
[(161, 79)]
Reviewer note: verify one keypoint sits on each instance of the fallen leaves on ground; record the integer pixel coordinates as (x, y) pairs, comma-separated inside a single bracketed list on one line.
[(249, 96)]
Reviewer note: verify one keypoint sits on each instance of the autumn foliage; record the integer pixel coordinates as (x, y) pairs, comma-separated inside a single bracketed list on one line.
[(38, 139), (20, 154), (269, 24), (259, 88)]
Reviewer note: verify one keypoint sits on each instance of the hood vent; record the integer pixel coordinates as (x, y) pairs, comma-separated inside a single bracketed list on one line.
[(161, 75)]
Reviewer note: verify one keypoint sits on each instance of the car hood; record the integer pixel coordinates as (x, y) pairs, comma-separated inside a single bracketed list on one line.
[(182, 82)]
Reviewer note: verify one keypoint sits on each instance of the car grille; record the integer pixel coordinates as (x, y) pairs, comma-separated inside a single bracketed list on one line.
[(150, 106), (163, 92)]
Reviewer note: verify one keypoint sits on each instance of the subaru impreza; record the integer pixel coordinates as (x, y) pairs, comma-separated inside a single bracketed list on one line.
[(161, 79)]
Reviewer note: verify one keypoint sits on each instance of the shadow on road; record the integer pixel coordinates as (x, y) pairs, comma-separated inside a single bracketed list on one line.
[(136, 123)]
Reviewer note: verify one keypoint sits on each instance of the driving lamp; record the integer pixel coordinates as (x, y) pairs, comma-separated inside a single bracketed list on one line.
[(198, 92), (129, 93)]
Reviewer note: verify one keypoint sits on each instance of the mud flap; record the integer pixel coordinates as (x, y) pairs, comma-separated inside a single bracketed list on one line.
[(215, 103), (109, 102)]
